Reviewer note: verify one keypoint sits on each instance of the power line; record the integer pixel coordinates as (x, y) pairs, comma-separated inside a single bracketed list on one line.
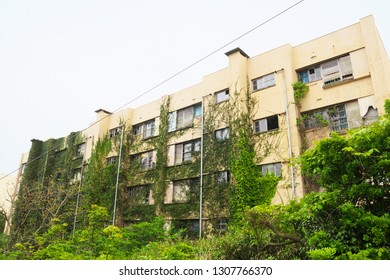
[(172, 77)]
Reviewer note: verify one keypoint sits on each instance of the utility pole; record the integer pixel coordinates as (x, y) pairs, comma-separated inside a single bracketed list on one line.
[(117, 176)]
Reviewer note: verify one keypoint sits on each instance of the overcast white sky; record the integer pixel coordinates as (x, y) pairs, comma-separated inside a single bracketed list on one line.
[(62, 60)]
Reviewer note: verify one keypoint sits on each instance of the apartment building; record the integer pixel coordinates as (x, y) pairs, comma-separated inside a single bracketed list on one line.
[(348, 77)]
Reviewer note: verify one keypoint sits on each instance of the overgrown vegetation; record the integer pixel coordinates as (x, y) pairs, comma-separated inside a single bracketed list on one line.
[(348, 220)]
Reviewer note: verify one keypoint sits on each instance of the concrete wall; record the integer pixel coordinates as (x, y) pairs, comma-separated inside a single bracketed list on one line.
[(369, 87)]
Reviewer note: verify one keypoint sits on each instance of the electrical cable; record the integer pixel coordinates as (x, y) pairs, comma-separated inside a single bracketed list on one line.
[(170, 78)]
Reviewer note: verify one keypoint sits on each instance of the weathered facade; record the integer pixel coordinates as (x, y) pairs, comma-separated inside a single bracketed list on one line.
[(175, 150)]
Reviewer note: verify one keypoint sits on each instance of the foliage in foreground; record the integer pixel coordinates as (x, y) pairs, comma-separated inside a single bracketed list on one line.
[(100, 242), (348, 220)]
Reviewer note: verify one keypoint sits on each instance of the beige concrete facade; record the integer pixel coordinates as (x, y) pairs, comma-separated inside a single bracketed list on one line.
[(348, 75)]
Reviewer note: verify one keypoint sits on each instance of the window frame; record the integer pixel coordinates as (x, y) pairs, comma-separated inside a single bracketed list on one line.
[(184, 152), (145, 160), (331, 72), (113, 132), (222, 96), (81, 149), (222, 224), (142, 129), (339, 121), (222, 134), (262, 125), (139, 194), (316, 76), (76, 176), (111, 160), (263, 82), (277, 166), (178, 119), (311, 122), (222, 177), (336, 122)]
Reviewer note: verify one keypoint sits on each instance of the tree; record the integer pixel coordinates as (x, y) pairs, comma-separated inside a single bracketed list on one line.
[(350, 218)]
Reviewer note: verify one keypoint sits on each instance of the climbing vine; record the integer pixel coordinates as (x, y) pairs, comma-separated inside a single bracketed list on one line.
[(232, 181), (47, 191)]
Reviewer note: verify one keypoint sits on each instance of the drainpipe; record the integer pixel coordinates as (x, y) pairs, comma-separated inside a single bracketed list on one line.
[(289, 137), (117, 176), (201, 171)]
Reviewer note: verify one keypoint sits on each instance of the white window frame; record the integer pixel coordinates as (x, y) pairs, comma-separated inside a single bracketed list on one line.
[(311, 74), (184, 151), (172, 121), (263, 125), (146, 129), (147, 160), (222, 134), (114, 132), (221, 96), (184, 118), (263, 82), (272, 168), (331, 71), (149, 129)]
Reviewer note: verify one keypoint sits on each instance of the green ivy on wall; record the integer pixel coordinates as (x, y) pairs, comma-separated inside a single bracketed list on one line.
[(237, 155)]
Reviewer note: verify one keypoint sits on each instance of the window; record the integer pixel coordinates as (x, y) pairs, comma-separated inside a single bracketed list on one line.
[(266, 124), (188, 228), (80, 149), (180, 191), (332, 71), (222, 134), (272, 168), (172, 120), (145, 130), (197, 110), (315, 120), (145, 160), (185, 151), (264, 82), (222, 224), (183, 118), (111, 160), (76, 174), (310, 74), (221, 96), (338, 118), (139, 194), (114, 132), (222, 177)]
